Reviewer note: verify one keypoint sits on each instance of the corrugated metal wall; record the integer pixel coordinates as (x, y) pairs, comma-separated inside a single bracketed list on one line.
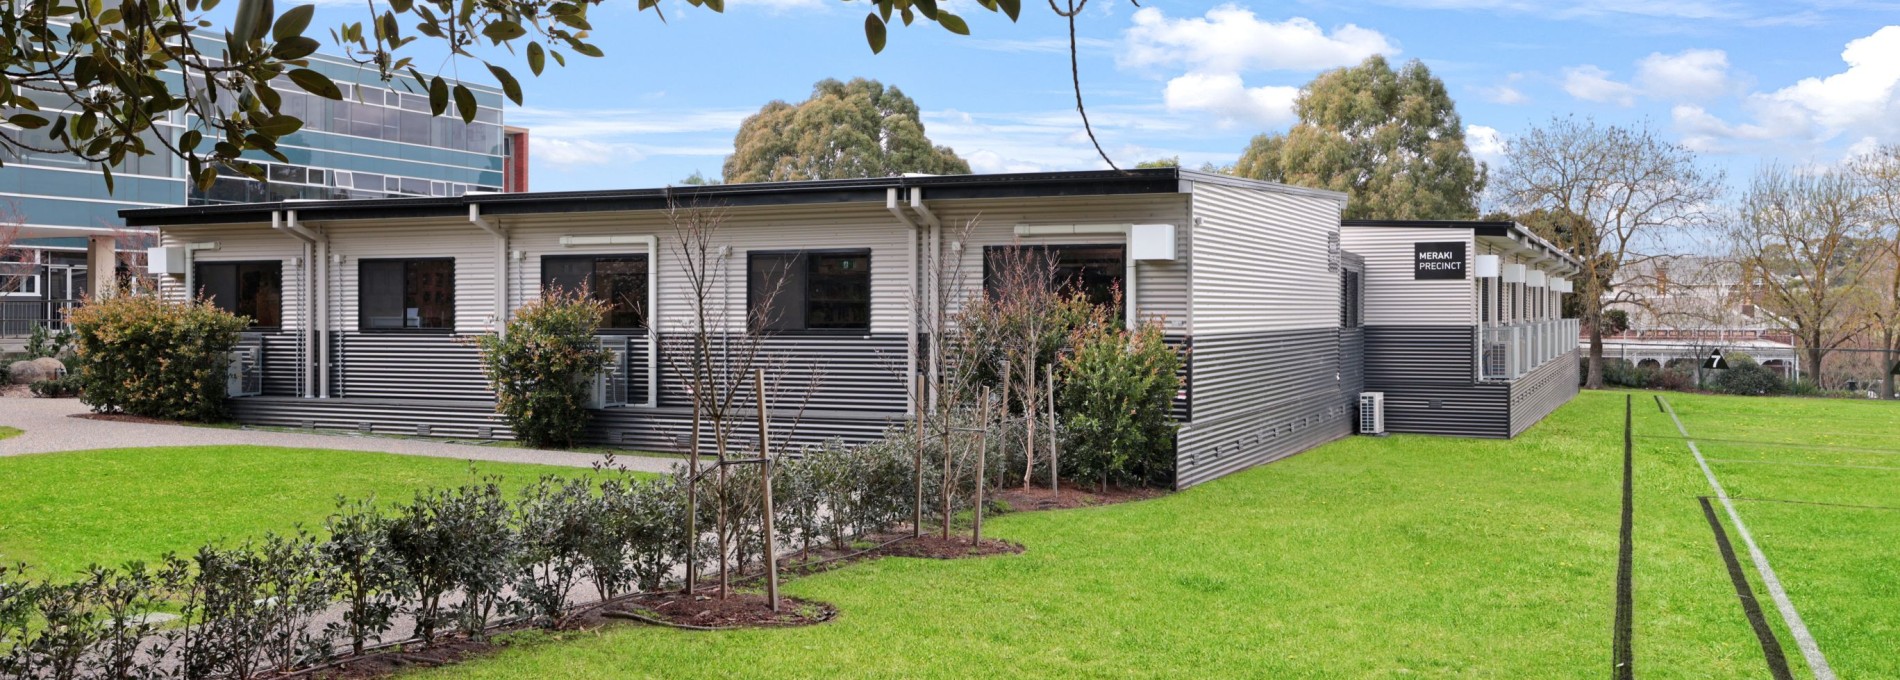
[(1269, 376), (1538, 394), (1426, 373), (1393, 297)]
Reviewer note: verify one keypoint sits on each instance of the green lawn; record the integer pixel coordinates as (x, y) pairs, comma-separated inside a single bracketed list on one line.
[(60, 512), (9, 432), (1402, 556)]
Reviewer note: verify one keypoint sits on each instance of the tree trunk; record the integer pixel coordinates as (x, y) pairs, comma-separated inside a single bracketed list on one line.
[(1593, 311), (1886, 364), (1815, 354)]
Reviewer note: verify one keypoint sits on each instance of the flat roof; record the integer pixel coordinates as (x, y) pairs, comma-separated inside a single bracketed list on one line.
[(812, 192), (1478, 227)]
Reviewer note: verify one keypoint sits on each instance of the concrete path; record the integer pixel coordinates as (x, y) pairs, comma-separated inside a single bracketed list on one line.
[(50, 427)]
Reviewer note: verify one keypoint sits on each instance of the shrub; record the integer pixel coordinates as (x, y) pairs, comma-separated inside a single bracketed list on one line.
[(1677, 379), (449, 540), (1116, 399), (1744, 376), (57, 388), (369, 581), (149, 357), (42, 342), (542, 369), (559, 520)]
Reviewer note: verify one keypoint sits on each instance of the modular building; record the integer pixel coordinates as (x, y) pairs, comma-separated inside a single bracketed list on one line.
[(1464, 326), (370, 302)]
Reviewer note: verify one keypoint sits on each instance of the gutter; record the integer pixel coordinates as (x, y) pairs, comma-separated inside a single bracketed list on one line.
[(321, 309), (476, 218), (304, 294), (933, 304)]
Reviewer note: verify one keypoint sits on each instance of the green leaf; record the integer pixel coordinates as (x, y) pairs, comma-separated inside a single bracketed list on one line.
[(401, 5), (928, 8), (292, 23), (587, 50), (874, 32), (438, 96), (280, 126), (190, 140), (316, 83), (465, 103), (509, 86), (294, 48), (106, 170), (716, 5), (953, 22), (1013, 8), (27, 121), (502, 31), (537, 58), (558, 59)]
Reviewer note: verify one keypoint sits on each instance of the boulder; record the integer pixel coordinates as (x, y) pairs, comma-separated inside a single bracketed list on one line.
[(35, 370)]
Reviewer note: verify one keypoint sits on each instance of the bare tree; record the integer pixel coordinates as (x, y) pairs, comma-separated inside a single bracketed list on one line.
[(1803, 239), (1626, 190), (1880, 173), (12, 256)]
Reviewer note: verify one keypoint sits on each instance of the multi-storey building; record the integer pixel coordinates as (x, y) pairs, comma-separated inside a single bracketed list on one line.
[(379, 141)]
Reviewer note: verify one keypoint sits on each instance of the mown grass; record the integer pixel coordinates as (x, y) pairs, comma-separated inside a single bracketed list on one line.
[(1403, 556), (60, 512), (9, 432)]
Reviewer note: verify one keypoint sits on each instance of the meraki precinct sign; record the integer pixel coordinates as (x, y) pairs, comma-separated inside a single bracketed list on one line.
[(1438, 260)]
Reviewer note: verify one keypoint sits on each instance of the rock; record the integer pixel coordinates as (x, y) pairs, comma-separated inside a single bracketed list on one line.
[(35, 370)]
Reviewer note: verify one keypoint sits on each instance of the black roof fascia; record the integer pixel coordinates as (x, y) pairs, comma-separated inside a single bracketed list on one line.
[(1480, 227), (817, 192)]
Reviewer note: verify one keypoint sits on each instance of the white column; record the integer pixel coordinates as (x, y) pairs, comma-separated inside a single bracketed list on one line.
[(102, 266)]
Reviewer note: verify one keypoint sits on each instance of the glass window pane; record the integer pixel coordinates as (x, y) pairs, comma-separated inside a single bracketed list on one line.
[(218, 283), (565, 273), (775, 291), (621, 282), (430, 299), (838, 291), (381, 294), (260, 293)]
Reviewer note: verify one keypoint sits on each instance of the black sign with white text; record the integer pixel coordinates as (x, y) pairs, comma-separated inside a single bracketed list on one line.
[(1438, 260)]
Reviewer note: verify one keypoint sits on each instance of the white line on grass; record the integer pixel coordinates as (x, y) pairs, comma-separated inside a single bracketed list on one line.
[(1810, 650), (1790, 462)]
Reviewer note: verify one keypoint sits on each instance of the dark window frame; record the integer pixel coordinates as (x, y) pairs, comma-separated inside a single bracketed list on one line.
[(198, 279), (362, 322), (1119, 273), (646, 261), (752, 292), (1352, 310)]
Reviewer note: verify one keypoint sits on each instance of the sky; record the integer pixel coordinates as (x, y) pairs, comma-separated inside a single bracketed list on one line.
[(1742, 83)]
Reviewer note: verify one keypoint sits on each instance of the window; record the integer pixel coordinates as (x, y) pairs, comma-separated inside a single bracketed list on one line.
[(252, 289), (809, 290), (620, 281), (407, 294), (1096, 271), (1351, 313)]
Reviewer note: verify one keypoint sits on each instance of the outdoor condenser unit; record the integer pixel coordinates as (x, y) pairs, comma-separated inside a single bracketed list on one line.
[(606, 392), (1372, 413), (244, 377)]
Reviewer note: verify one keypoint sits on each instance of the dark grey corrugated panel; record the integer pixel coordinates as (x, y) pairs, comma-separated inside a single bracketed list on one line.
[(1352, 364), (1538, 394), (1261, 397), (408, 366), (851, 372), (1406, 355), (280, 364), (387, 416), (1459, 410), (669, 429)]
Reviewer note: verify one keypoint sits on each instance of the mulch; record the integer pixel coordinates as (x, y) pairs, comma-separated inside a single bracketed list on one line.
[(704, 610), (1071, 496), (936, 547)]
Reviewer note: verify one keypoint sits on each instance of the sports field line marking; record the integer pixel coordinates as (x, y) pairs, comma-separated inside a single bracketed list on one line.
[(1810, 650), (1791, 445), (1751, 608), (1792, 462), (1747, 499)]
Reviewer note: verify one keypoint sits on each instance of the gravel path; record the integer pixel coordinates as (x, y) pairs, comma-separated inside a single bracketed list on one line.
[(50, 427)]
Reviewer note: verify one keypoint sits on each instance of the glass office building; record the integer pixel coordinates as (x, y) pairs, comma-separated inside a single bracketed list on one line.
[(379, 141)]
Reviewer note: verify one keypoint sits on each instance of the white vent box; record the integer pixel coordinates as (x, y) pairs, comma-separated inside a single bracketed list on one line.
[(165, 261), (1372, 413), (1151, 242)]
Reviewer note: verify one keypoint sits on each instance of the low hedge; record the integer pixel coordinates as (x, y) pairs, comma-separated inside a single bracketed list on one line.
[(147, 356)]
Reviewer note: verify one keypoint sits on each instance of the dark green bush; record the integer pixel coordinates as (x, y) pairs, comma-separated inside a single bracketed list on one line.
[(1745, 376), (543, 368), (57, 388), (1116, 399), (146, 356)]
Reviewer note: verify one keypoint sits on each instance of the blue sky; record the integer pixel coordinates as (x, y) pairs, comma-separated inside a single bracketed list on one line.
[(1806, 81)]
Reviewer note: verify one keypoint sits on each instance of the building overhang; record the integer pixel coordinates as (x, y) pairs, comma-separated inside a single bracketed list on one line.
[(1510, 234)]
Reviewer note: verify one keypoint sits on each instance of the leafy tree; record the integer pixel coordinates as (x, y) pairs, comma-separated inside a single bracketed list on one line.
[(1806, 239), (845, 130), (1170, 162), (92, 79), (1612, 194), (700, 179), (1390, 139)]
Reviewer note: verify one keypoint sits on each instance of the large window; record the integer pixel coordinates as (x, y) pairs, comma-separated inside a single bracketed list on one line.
[(620, 281), (407, 294), (253, 289), (1351, 300), (1096, 271), (809, 290)]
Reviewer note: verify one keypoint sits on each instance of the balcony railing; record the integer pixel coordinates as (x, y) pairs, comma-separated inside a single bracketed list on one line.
[(18, 317), (1508, 352)]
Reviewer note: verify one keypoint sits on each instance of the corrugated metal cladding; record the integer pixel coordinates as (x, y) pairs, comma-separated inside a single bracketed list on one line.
[(1270, 377), (1427, 375), (408, 366), (245, 244), (1536, 395), (1393, 297)]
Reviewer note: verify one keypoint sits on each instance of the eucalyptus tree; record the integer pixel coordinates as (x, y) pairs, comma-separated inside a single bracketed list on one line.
[(98, 79), (1621, 193), (845, 130), (1392, 140)]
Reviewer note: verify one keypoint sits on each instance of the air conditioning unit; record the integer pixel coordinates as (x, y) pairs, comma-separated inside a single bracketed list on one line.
[(1372, 413), (244, 376)]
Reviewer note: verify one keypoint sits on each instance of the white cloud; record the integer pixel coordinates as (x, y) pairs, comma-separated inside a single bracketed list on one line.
[(1590, 83), (1231, 101), (1054, 140), (567, 153), (1591, 9), (1231, 39), (1213, 53), (1485, 142), (1503, 94), (1686, 75), (596, 124), (1860, 102)]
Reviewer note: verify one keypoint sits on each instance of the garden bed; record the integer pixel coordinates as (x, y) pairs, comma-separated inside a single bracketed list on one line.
[(1070, 496), (706, 611)]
